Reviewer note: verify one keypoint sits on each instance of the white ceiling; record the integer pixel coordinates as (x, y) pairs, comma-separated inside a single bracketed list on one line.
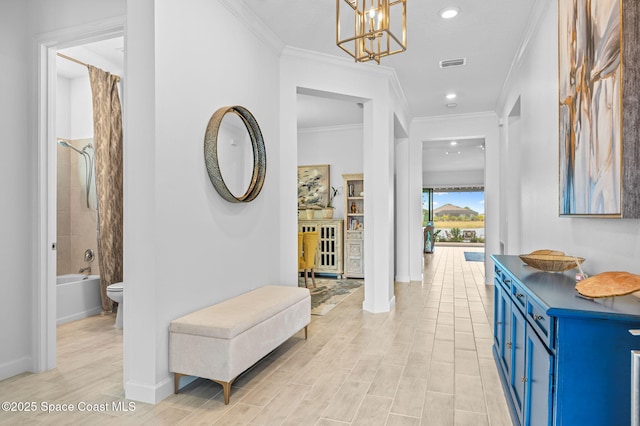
[(453, 154), (315, 111), (106, 54), (487, 33)]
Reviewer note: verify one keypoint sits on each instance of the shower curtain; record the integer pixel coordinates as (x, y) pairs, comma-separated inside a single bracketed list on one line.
[(107, 139)]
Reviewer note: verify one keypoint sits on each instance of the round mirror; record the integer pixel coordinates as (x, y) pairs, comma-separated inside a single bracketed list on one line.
[(234, 154)]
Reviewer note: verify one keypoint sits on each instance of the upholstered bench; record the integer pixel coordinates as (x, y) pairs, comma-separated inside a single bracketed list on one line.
[(223, 340)]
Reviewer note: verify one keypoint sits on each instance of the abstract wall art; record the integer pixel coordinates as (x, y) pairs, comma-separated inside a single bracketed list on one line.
[(590, 101), (313, 186)]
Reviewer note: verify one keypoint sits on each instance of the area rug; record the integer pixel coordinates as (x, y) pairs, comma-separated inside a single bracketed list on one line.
[(474, 256), (329, 293)]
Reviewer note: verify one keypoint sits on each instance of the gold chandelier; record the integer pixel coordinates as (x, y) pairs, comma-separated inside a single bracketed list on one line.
[(370, 28)]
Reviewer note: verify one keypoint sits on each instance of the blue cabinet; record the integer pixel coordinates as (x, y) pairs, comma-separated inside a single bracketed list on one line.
[(502, 323), (563, 359), (538, 374), (517, 377)]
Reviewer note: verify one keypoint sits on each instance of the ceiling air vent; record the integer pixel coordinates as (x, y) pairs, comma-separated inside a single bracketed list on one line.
[(453, 63)]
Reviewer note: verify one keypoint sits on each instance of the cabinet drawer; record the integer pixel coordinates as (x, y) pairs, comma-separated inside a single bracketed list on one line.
[(355, 235), (540, 321), (519, 295), (503, 279)]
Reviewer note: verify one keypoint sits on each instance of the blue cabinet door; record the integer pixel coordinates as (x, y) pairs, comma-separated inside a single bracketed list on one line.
[(518, 367), (539, 369), (506, 351), (498, 319)]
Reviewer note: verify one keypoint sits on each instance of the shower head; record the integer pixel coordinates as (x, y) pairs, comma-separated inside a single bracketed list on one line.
[(88, 162), (68, 145)]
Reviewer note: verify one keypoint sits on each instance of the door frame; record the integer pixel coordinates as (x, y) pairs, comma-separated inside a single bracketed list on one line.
[(44, 300)]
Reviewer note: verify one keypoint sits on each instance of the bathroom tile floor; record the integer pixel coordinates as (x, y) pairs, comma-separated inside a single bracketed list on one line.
[(427, 362)]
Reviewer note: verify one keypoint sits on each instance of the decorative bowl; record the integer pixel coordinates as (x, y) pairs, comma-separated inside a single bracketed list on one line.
[(551, 262)]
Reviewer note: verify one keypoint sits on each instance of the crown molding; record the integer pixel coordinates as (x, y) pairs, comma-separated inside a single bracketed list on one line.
[(338, 128), (533, 25), (249, 19), (482, 114), (369, 69), (290, 52), (82, 34)]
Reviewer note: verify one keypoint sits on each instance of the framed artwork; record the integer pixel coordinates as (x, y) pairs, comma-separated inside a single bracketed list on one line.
[(590, 101), (313, 186)]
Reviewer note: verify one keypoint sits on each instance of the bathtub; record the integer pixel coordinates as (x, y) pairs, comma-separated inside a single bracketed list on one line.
[(77, 297)]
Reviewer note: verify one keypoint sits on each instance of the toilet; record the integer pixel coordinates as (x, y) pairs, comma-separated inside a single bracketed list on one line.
[(115, 293)]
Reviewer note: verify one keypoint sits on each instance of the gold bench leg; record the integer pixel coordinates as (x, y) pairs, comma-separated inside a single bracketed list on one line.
[(226, 386), (226, 389), (176, 382), (305, 332)]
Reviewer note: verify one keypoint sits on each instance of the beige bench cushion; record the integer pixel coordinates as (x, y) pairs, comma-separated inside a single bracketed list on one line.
[(227, 319)]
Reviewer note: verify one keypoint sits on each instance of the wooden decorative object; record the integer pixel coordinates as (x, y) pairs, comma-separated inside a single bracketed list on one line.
[(609, 284), (551, 262), (547, 251)]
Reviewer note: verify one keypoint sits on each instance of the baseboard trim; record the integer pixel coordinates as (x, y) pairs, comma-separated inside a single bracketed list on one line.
[(15, 367), (150, 394), (379, 309)]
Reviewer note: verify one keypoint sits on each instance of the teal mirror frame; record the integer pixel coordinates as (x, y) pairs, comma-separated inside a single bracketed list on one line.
[(259, 154)]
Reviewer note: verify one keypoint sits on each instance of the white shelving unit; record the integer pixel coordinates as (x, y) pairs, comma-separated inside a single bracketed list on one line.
[(354, 225)]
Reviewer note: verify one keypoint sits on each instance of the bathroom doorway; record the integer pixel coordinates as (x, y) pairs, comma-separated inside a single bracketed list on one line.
[(63, 139), (77, 263)]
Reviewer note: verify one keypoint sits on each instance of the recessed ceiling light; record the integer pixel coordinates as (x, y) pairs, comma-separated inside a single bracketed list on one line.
[(453, 143), (452, 105), (451, 96), (449, 12)]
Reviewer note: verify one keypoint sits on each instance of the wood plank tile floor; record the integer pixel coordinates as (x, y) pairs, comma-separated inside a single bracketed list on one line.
[(428, 362)]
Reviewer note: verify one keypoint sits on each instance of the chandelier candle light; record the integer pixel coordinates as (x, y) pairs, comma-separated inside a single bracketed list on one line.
[(370, 28)]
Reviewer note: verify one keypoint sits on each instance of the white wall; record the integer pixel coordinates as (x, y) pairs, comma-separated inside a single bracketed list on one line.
[(63, 108), (74, 112), (416, 236), (81, 108), (402, 266), (375, 87), (185, 246), (340, 147), (461, 126), (606, 244), (22, 22), (47, 15), (446, 179), (16, 168)]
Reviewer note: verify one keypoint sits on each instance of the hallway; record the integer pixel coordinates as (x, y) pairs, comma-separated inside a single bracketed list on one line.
[(428, 362)]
